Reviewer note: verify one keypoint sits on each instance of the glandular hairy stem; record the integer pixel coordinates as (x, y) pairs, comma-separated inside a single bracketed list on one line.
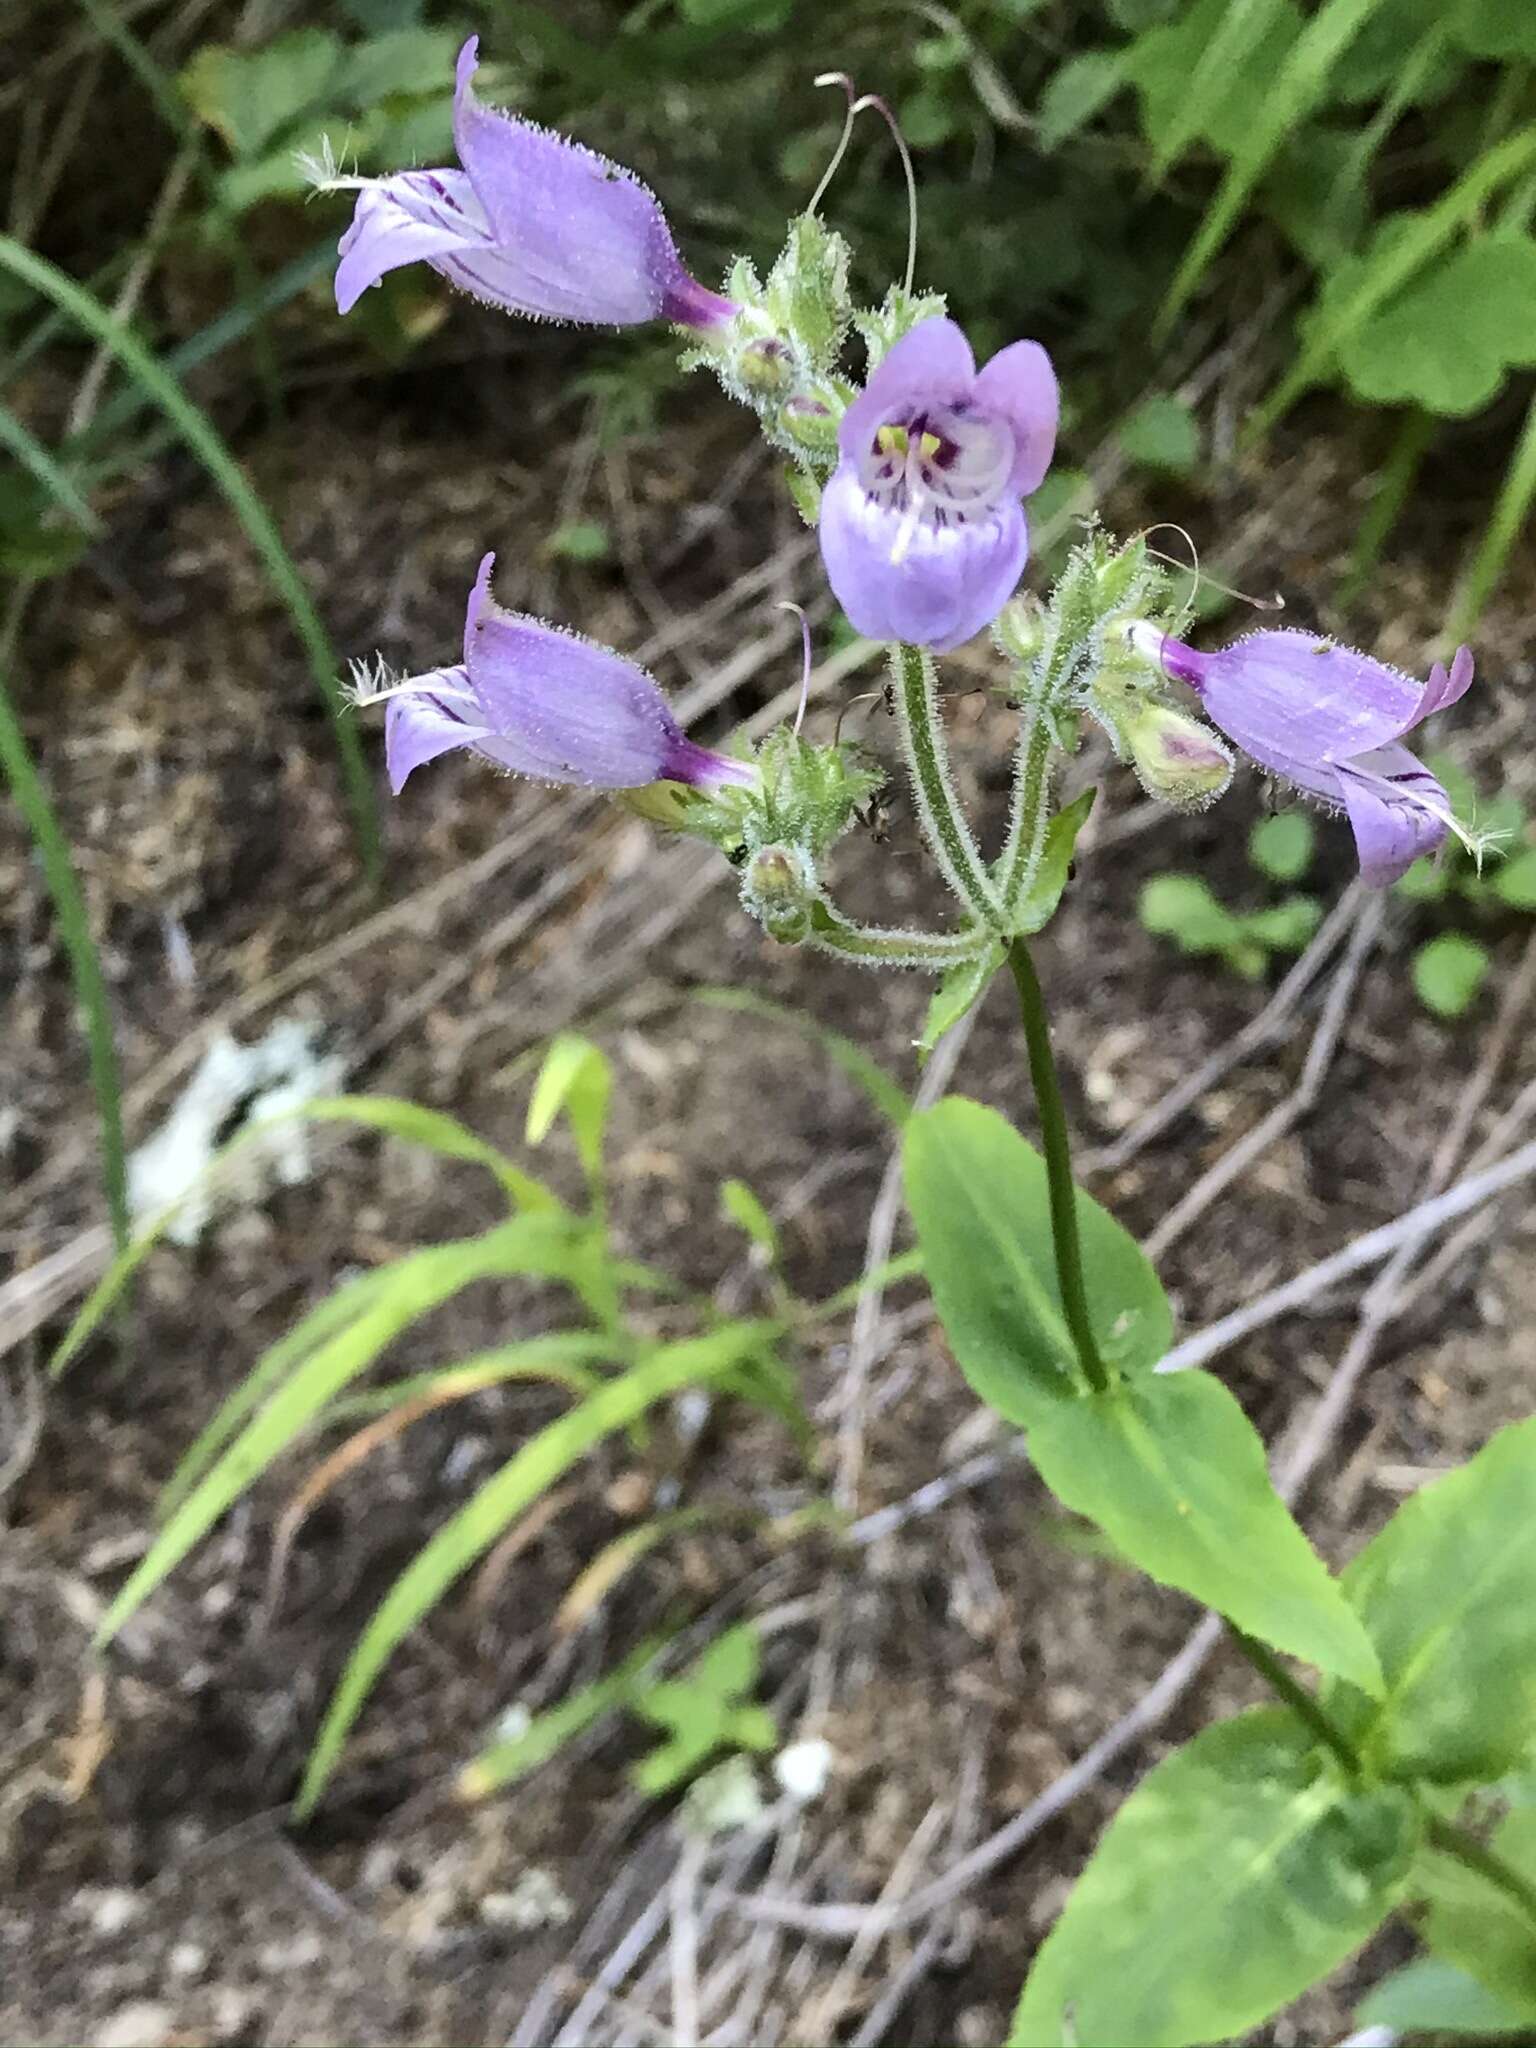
[(890, 946), (1020, 863), (938, 804)]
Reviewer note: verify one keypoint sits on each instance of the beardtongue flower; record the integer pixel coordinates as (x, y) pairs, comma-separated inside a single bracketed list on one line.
[(1330, 721), (922, 531), (532, 222), (547, 704)]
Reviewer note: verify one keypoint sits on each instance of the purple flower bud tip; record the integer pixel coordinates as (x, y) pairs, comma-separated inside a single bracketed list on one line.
[(544, 703), (532, 223), (1330, 721), (922, 531)]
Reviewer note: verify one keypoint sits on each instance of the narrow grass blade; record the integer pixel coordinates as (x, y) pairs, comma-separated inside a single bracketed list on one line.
[(1301, 86), (199, 433), (1504, 527), (84, 962), (887, 1096), (341, 1308), (16, 436), (408, 1121), (100, 448), (562, 1356), (1391, 494), (407, 1290), (1243, 24), (105, 18), (520, 1482), (503, 1763), (436, 1132), (1429, 234)]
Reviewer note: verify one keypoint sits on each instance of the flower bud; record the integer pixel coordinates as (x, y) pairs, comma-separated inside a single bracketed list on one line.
[(810, 425), (766, 368), (778, 889), (1178, 760), (1019, 628)]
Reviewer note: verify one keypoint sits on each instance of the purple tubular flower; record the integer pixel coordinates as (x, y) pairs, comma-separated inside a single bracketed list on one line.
[(922, 531), (532, 223), (545, 703), (1332, 722)]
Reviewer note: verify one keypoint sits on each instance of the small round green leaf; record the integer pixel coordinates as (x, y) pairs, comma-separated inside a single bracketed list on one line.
[(1449, 973)]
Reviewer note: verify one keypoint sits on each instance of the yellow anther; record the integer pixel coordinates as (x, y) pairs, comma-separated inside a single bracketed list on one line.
[(929, 446), (892, 440)]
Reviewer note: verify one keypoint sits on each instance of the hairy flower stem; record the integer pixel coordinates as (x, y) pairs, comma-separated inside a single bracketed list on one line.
[(1058, 1165), (938, 806), (1020, 863), (889, 946), (1441, 1834)]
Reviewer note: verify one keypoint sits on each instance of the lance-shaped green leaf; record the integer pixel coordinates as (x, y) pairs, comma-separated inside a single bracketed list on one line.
[(978, 1196), (1447, 1592), (1237, 1873), (958, 992), (1038, 906), (1172, 1470)]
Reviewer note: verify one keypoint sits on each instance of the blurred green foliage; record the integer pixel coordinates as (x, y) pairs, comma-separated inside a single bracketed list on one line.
[(1362, 170)]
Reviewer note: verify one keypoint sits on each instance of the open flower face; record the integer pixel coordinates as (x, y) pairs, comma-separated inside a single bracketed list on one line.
[(532, 223), (546, 704), (922, 531), (1330, 721)]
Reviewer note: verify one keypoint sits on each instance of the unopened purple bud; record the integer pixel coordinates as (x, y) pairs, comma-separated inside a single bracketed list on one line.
[(548, 704), (766, 367), (1178, 760), (1331, 721), (533, 223)]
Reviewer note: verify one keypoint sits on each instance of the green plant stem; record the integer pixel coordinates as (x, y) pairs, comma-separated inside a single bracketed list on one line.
[(1452, 1840), (1301, 1703), (1058, 1165), (938, 807), (1444, 1835), (889, 946), (84, 962), (1020, 863)]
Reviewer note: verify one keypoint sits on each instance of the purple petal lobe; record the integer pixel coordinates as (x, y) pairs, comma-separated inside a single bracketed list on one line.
[(1019, 385), (419, 728), (413, 217), (1288, 697), (576, 237), (1397, 811), (1442, 689), (935, 586), (931, 365)]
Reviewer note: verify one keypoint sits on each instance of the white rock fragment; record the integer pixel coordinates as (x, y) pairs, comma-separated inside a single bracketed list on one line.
[(802, 1769), (536, 1900), (143, 2024), (233, 1085)]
